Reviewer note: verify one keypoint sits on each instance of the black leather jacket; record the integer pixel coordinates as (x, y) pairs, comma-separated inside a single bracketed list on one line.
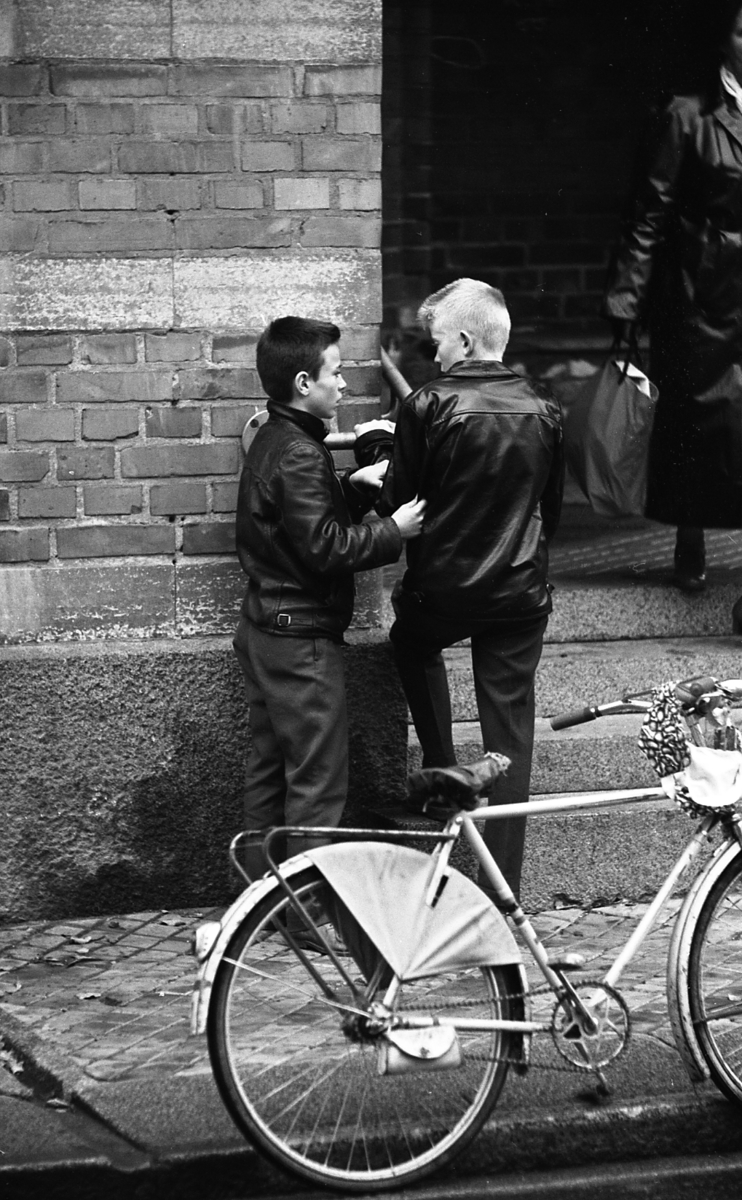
[(678, 263), (483, 446), (678, 268), (296, 539)]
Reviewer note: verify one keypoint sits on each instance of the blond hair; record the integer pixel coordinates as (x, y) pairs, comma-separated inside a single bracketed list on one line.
[(472, 306)]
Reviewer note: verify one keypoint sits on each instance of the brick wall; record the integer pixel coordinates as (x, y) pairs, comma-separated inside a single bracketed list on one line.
[(510, 133), (174, 175)]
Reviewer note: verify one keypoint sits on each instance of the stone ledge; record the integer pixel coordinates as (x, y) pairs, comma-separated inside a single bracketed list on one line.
[(601, 754), (135, 598), (123, 768), (573, 674)]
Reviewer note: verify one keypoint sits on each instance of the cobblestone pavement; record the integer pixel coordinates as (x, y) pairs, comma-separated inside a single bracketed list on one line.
[(638, 550), (112, 994)]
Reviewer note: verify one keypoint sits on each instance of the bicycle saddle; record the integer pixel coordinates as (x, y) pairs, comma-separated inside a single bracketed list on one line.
[(441, 792)]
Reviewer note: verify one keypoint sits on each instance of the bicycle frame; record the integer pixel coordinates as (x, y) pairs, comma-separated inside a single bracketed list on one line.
[(466, 824), (306, 1048), (567, 804), (556, 978)]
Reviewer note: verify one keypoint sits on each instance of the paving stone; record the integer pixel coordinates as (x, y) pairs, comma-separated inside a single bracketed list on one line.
[(147, 1035)]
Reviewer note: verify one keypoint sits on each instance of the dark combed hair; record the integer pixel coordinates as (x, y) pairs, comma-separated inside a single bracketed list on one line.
[(290, 345)]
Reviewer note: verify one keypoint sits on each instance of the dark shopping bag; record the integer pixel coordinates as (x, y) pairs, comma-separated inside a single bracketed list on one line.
[(606, 438)]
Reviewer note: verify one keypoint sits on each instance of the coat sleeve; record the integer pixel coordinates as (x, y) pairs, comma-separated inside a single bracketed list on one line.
[(551, 499), (645, 222), (359, 503), (404, 476), (321, 542)]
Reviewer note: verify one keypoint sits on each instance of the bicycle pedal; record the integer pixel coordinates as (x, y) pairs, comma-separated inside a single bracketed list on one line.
[(569, 961)]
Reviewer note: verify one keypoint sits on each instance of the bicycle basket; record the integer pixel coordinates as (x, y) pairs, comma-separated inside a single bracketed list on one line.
[(698, 777)]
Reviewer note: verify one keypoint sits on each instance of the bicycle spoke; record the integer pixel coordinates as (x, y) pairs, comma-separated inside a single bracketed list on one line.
[(308, 1142), (715, 979), (317, 996), (720, 1014), (304, 1084), (338, 1122), (317, 1083)]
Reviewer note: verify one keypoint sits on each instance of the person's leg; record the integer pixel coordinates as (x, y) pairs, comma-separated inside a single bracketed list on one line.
[(504, 659), (303, 682), (417, 640), (690, 558), (265, 778)]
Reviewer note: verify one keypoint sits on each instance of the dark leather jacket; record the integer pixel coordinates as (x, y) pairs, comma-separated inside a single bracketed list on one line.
[(483, 446), (296, 539), (678, 268), (678, 263)]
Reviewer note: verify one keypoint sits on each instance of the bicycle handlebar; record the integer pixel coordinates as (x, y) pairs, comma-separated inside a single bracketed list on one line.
[(694, 695), (579, 716)]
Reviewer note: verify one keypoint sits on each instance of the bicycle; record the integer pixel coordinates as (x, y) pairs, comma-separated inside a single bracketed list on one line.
[(369, 1068)]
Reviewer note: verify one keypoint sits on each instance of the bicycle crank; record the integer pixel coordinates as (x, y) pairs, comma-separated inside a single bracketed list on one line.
[(592, 1042)]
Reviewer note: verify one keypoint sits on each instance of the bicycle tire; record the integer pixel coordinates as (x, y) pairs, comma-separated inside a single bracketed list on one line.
[(715, 981), (310, 1098)]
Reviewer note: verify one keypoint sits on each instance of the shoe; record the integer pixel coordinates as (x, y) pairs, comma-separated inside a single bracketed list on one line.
[(306, 940), (689, 559), (737, 616), (689, 583)]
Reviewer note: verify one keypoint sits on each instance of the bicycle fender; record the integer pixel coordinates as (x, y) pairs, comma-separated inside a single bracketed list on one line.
[(214, 941), (385, 888), (677, 961)]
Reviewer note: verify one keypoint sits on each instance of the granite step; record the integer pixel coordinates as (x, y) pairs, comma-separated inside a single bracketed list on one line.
[(591, 858), (591, 757), (572, 674), (583, 859), (586, 858), (616, 606)]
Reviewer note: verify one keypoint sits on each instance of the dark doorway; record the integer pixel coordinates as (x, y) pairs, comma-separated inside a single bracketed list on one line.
[(511, 131)]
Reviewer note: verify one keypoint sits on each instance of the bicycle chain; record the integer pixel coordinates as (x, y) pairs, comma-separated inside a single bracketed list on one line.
[(544, 989)]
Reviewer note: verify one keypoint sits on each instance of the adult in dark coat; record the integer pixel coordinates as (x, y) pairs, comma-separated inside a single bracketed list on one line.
[(678, 269)]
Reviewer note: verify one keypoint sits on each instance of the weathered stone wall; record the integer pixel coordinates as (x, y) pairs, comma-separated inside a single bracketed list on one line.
[(123, 769), (175, 174)]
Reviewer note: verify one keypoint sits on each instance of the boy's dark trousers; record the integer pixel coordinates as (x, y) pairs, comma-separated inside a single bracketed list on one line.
[(297, 770), (505, 654)]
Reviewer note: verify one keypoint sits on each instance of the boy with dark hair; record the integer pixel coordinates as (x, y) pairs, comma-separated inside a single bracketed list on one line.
[(299, 540)]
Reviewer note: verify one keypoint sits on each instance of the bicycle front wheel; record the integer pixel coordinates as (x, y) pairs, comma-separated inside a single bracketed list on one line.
[(309, 1095), (715, 981)]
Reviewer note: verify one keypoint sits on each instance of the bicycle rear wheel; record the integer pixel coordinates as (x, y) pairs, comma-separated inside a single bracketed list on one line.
[(311, 1097), (715, 981)]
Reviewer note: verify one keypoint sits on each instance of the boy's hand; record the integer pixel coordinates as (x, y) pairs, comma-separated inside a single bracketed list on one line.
[(370, 478), (409, 518)]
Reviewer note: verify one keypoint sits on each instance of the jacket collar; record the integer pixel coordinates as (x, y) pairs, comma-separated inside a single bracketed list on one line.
[(305, 420), (727, 113), (478, 367)]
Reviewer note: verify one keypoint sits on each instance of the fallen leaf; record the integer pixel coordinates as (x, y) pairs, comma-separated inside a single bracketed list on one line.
[(173, 921), (55, 1103), (89, 995), (9, 1060), (80, 940)]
